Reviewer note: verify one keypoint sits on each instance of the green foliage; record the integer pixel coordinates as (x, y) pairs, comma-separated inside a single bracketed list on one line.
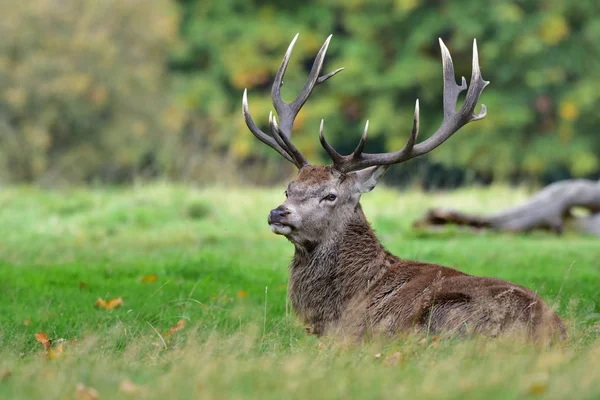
[(82, 89), (542, 59), (114, 90), (60, 251)]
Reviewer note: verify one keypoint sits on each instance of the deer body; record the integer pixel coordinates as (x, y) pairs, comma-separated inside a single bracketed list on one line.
[(345, 282), (342, 280)]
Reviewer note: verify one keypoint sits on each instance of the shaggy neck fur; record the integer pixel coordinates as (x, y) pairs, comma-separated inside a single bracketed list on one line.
[(325, 276)]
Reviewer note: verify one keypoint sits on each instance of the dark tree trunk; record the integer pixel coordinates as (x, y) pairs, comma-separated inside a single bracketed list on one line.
[(550, 209)]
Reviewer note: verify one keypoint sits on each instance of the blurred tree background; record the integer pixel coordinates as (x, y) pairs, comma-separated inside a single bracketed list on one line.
[(110, 91)]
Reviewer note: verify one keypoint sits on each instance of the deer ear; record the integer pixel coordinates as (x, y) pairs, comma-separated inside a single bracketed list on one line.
[(366, 179)]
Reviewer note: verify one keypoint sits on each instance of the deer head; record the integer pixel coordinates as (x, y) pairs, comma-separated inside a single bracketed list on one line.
[(322, 199)]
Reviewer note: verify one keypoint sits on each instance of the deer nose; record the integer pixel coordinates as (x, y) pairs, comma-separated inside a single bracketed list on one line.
[(277, 214)]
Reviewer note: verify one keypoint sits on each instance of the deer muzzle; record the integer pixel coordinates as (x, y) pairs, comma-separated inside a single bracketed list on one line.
[(279, 222)]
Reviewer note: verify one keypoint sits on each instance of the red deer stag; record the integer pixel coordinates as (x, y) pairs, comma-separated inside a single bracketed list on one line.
[(342, 279)]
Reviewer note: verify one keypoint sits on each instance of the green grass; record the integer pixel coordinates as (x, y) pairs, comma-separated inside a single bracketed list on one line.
[(220, 269)]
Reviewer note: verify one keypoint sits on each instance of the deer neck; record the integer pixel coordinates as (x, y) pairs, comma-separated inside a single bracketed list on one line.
[(354, 240), (324, 276)]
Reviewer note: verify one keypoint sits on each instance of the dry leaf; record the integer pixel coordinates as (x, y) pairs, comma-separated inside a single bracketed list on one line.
[(149, 278), (27, 322), (83, 285), (177, 327), (129, 387), (83, 392), (241, 294), (109, 305), (43, 339), (538, 388), (393, 359), (49, 351), (54, 353)]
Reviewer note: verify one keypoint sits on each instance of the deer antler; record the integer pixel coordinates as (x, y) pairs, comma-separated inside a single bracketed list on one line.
[(281, 134), (453, 121)]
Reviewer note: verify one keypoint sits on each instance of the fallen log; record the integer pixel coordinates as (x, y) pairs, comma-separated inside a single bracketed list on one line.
[(550, 209)]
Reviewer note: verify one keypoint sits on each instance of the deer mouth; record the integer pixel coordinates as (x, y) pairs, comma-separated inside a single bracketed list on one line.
[(279, 222), (280, 229)]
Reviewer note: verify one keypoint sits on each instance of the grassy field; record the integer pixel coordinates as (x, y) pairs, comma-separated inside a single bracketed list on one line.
[(207, 257)]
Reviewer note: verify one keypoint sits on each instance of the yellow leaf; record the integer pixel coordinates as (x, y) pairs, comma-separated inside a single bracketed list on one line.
[(241, 294), (554, 29), (568, 111), (109, 305), (114, 303), (54, 353), (149, 278)]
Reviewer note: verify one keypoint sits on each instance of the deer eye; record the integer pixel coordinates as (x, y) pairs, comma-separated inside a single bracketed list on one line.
[(286, 195), (330, 197)]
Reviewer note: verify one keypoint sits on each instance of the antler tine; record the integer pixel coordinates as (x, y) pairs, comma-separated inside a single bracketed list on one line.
[(361, 144), (329, 75), (477, 86), (288, 112), (313, 76), (358, 160), (335, 156), (260, 135), (412, 139), (451, 89), (281, 134), (452, 122), (278, 102)]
